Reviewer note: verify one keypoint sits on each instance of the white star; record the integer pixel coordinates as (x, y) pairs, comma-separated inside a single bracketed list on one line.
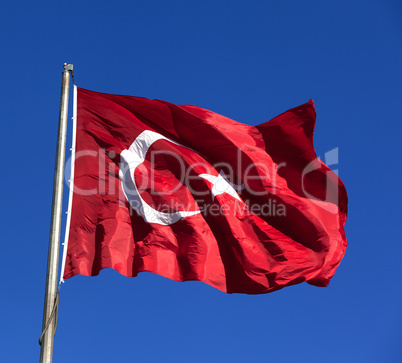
[(221, 185)]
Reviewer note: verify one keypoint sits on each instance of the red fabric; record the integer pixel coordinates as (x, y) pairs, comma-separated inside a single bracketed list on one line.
[(240, 250)]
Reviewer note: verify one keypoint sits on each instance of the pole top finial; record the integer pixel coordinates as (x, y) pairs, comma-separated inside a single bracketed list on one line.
[(68, 67)]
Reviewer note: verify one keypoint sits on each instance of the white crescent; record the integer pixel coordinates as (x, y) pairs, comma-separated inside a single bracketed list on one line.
[(129, 160)]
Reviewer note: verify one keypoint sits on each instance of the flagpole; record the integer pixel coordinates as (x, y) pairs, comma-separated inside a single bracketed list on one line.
[(51, 295)]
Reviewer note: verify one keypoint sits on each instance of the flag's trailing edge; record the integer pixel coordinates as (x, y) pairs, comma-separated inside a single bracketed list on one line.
[(71, 184), (189, 194)]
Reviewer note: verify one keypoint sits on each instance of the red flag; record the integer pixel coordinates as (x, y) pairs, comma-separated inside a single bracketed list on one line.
[(189, 194)]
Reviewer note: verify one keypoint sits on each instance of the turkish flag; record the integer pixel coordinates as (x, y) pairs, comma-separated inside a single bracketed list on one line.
[(189, 194)]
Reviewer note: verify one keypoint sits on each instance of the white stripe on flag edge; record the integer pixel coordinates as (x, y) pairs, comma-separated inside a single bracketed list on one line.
[(71, 186)]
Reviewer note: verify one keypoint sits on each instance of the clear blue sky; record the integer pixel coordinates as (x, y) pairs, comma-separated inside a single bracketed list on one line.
[(246, 60)]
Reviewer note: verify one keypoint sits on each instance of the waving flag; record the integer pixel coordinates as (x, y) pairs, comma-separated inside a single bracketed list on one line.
[(189, 194)]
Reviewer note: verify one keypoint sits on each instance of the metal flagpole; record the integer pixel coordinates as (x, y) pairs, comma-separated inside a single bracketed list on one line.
[(51, 294)]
